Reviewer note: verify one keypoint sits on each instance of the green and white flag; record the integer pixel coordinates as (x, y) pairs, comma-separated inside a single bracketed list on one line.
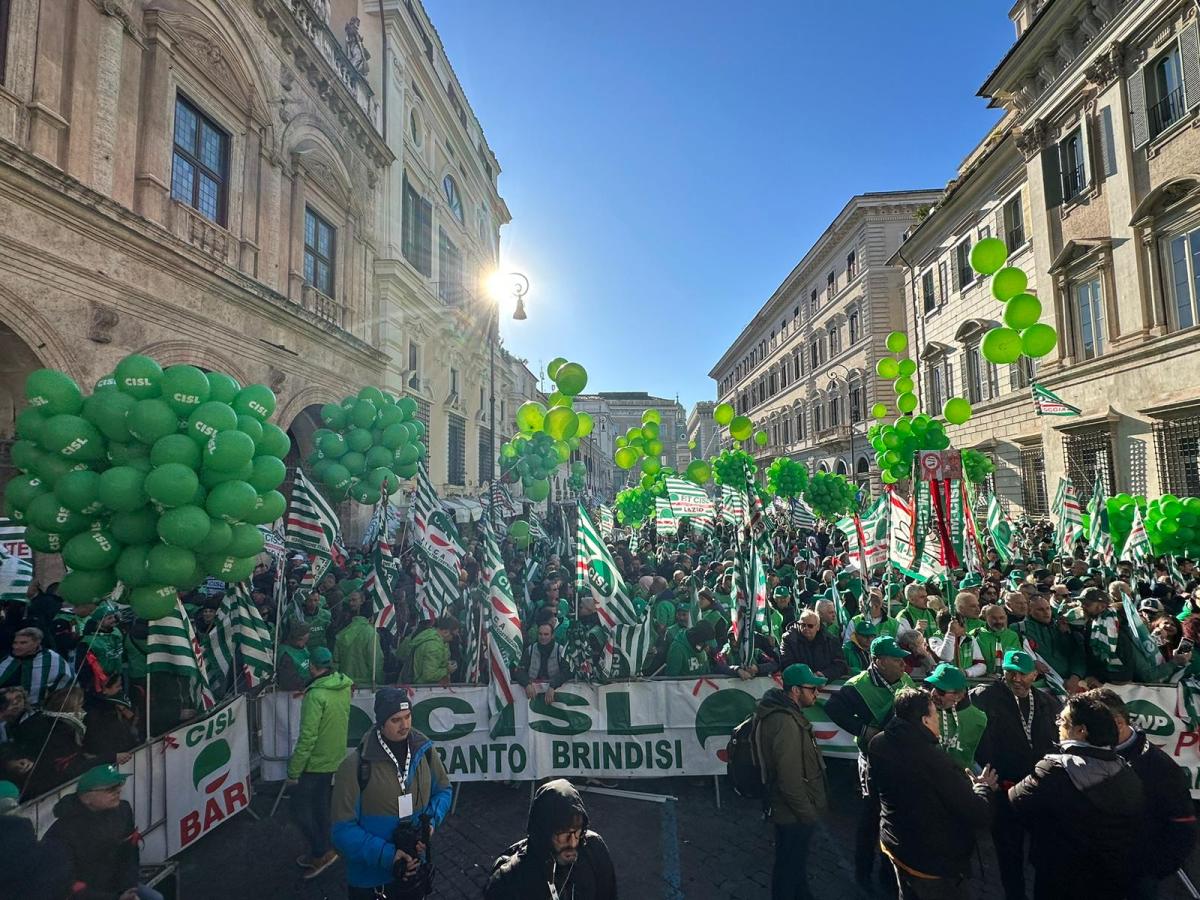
[(172, 648), (607, 521), (801, 516), (688, 500), (1000, 530), (1142, 639), (503, 627), (596, 572), (1099, 541), (749, 613), (931, 558), (733, 505), (902, 544), (665, 513), (41, 675), (628, 647), (439, 550), (16, 574), (1137, 547), (1048, 403), (239, 627), (1069, 515)]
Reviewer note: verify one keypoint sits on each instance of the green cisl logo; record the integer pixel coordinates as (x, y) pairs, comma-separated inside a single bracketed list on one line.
[(600, 576), (209, 761), (1150, 718), (720, 713)]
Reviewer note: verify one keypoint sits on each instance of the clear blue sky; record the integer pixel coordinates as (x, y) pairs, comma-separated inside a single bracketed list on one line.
[(667, 163)]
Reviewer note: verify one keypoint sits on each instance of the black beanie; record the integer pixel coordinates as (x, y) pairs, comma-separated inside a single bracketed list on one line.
[(390, 701)]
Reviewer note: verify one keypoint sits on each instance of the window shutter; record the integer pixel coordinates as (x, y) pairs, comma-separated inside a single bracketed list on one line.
[(954, 282), (949, 379), (943, 287), (1085, 140), (1051, 176), (1138, 123), (1108, 144), (1001, 227), (1189, 58), (1014, 379)]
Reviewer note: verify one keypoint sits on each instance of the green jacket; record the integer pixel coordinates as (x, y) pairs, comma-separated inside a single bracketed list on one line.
[(857, 659), (913, 615), (1062, 652), (324, 724), (357, 652), (962, 729), (792, 764), (291, 668), (430, 657), (993, 645), (683, 660), (318, 624)]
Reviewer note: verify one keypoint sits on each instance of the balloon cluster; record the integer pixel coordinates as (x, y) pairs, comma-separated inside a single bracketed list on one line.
[(976, 466), (547, 432), (1172, 523), (734, 467), (634, 506), (896, 443), (900, 371), (641, 445), (578, 475), (830, 496), (1022, 333), (740, 427), (369, 443), (787, 478), (157, 479)]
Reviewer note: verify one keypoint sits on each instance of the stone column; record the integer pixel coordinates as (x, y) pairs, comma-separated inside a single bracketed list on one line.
[(247, 231), (153, 169), (294, 241), (106, 89)]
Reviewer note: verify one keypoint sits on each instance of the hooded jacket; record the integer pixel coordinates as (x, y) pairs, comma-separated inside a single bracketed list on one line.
[(324, 724), (793, 767), (357, 651), (1092, 795), (32, 871), (524, 870), (430, 657), (1169, 832), (100, 848)]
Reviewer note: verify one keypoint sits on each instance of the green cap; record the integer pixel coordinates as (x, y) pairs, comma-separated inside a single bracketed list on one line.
[(9, 791), (865, 628), (782, 591), (970, 580), (1018, 661), (800, 675), (98, 778), (948, 678), (887, 646), (320, 656)]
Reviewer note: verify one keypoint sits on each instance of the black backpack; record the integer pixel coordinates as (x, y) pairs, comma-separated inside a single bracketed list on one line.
[(744, 762)]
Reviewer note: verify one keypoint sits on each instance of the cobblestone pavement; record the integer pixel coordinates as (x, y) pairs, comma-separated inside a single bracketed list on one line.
[(683, 849)]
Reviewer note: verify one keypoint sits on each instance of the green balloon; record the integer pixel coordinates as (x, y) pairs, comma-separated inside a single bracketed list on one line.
[(185, 526), (151, 420), (362, 491), (106, 383), (171, 485), (231, 501), (1038, 340), (255, 400), (44, 541), (1022, 311), (170, 565), (222, 388), (83, 586), (153, 601), (418, 429), (372, 393), (250, 426), (138, 526), (1009, 282), (275, 442), (699, 471), (1001, 346), (210, 478), (72, 437), (887, 368), (355, 463), (53, 392), (78, 491), (906, 368), (538, 489), (406, 471), (218, 536), (268, 507), (29, 424), (47, 513), (723, 413), (650, 465), (139, 376), (333, 446), (228, 451), (175, 448), (903, 385), (741, 428), (23, 488), (408, 406), (761, 438), (334, 416), (131, 566), (988, 255), (359, 440), (553, 367), (128, 454), (209, 419), (247, 541), (395, 435), (363, 413), (108, 411), (267, 473), (897, 342), (49, 468), (184, 388), (123, 489), (878, 411), (389, 414), (561, 423), (377, 457), (337, 477), (91, 551), (626, 457), (906, 403), (530, 416), (956, 410)]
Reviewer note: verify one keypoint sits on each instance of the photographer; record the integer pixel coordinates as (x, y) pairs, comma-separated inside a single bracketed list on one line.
[(389, 794)]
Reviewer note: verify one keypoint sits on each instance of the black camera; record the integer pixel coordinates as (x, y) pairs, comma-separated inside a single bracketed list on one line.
[(419, 882)]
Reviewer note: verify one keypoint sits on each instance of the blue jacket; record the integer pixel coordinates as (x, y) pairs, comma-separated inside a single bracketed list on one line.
[(364, 821)]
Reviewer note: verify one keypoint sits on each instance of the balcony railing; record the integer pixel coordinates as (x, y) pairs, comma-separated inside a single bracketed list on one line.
[(323, 306), (202, 233), (1166, 112), (834, 433), (1015, 237)]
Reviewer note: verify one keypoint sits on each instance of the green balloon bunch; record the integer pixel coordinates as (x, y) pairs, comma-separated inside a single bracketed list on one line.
[(1120, 516), (1173, 525), (1022, 333), (370, 442), (157, 479), (634, 505), (787, 478), (547, 433), (734, 467), (578, 476), (899, 370), (896, 443), (976, 466), (699, 471), (641, 445), (830, 496)]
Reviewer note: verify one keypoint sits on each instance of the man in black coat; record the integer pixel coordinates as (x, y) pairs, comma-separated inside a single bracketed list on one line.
[(807, 642), (930, 808), (1168, 834), (559, 858), (1020, 731), (1090, 793), (30, 872)]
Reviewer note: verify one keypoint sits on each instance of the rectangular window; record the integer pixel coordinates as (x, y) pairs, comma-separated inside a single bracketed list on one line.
[(1033, 481), (928, 292), (835, 412), (319, 246), (485, 455), (450, 271), (1089, 311), (816, 418), (1014, 223), (962, 257), (1178, 444), (1164, 92), (1021, 373), (200, 165), (853, 327), (1070, 164), (456, 431), (851, 265), (1184, 277), (796, 366), (835, 341), (935, 387), (5, 12), (1088, 456), (974, 375), (831, 283), (813, 300), (814, 355), (856, 404), (416, 230)]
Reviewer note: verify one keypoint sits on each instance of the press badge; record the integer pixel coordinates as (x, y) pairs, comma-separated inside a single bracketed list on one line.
[(404, 806)]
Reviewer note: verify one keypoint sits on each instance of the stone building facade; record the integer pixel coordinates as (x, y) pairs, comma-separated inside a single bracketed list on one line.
[(615, 412), (803, 369), (702, 430)]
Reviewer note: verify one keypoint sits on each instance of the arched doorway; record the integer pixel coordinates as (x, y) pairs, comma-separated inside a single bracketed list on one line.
[(300, 431), (823, 467), (17, 360), (841, 468), (862, 470)]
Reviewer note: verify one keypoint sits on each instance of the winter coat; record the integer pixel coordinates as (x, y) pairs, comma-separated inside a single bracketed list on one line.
[(822, 654), (1060, 651), (857, 659), (1004, 746), (318, 624), (929, 808), (1168, 833), (100, 848), (863, 705), (108, 732), (993, 645), (558, 672), (684, 659), (794, 769), (324, 725), (60, 743), (357, 652), (430, 658), (524, 870), (365, 820), (32, 871), (292, 668), (1094, 796)]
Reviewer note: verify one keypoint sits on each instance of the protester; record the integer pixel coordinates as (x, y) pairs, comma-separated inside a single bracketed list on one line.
[(688, 653), (807, 642), (431, 662), (31, 871), (357, 651), (31, 666), (961, 724), (994, 637), (916, 612), (560, 856), (542, 661), (1059, 657), (293, 662), (857, 648), (794, 771)]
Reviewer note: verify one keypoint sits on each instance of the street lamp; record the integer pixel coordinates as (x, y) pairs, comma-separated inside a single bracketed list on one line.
[(501, 285)]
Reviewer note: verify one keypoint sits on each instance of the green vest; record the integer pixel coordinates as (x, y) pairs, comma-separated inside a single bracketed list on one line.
[(886, 626), (878, 699), (961, 732), (913, 615), (994, 645), (299, 658)]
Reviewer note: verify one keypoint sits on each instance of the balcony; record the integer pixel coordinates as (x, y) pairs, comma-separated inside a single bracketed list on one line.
[(323, 306), (831, 433), (1166, 112)]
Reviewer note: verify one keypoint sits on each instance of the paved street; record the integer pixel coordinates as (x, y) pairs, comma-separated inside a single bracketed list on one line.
[(687, 849)]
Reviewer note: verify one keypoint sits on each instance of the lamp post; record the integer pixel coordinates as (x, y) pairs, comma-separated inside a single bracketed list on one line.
[(513, 284), (849, 424)]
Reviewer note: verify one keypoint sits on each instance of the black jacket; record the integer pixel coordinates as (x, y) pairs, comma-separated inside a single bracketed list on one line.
[(1004, 746), (930, 809), (1093, 799), (523, 871), (1169, 831), (30, 872), (101, 848), (822, 654)]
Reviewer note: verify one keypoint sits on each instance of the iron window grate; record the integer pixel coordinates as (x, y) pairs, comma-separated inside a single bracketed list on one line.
[(1088, 456), (1033, 482), (1177, 443)]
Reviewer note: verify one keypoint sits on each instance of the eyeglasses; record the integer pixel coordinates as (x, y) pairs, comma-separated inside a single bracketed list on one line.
[(576, 833), (808, 625)]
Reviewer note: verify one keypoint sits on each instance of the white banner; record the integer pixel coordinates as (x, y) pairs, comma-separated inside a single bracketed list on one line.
[(12, 539), (1158, 710), (208, 771)]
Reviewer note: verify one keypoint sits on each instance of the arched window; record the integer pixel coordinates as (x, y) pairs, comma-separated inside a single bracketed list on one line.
[(841, 467), (453, 198)]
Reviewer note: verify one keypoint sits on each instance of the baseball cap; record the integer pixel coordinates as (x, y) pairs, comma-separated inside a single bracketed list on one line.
[(865, 628), (1018, 661), (1092, 595), (98, 778), (947, 678), (321, 656), (887, 646), (1151, 604), (800, 675), (781, 591)]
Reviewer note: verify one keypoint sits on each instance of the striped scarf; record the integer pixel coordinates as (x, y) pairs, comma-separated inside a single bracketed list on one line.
[(41, 674), (1102, 638)]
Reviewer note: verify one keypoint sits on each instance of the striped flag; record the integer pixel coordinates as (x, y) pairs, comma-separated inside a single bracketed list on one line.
[(801, 516), (502, 500), (16, 574), (439, 549), (537, 531), (931, 558), (173, 649), (1048, 403), (1000, 530), (311, 522), (751, 605), (1137, 547), (902, 546), (504, 633), (1070, 515), (627, 649), (607, 521), (972, 548), (1099, 541), (239, 628), (596, 571), (377, 588), (733, 505), (47, 672)]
